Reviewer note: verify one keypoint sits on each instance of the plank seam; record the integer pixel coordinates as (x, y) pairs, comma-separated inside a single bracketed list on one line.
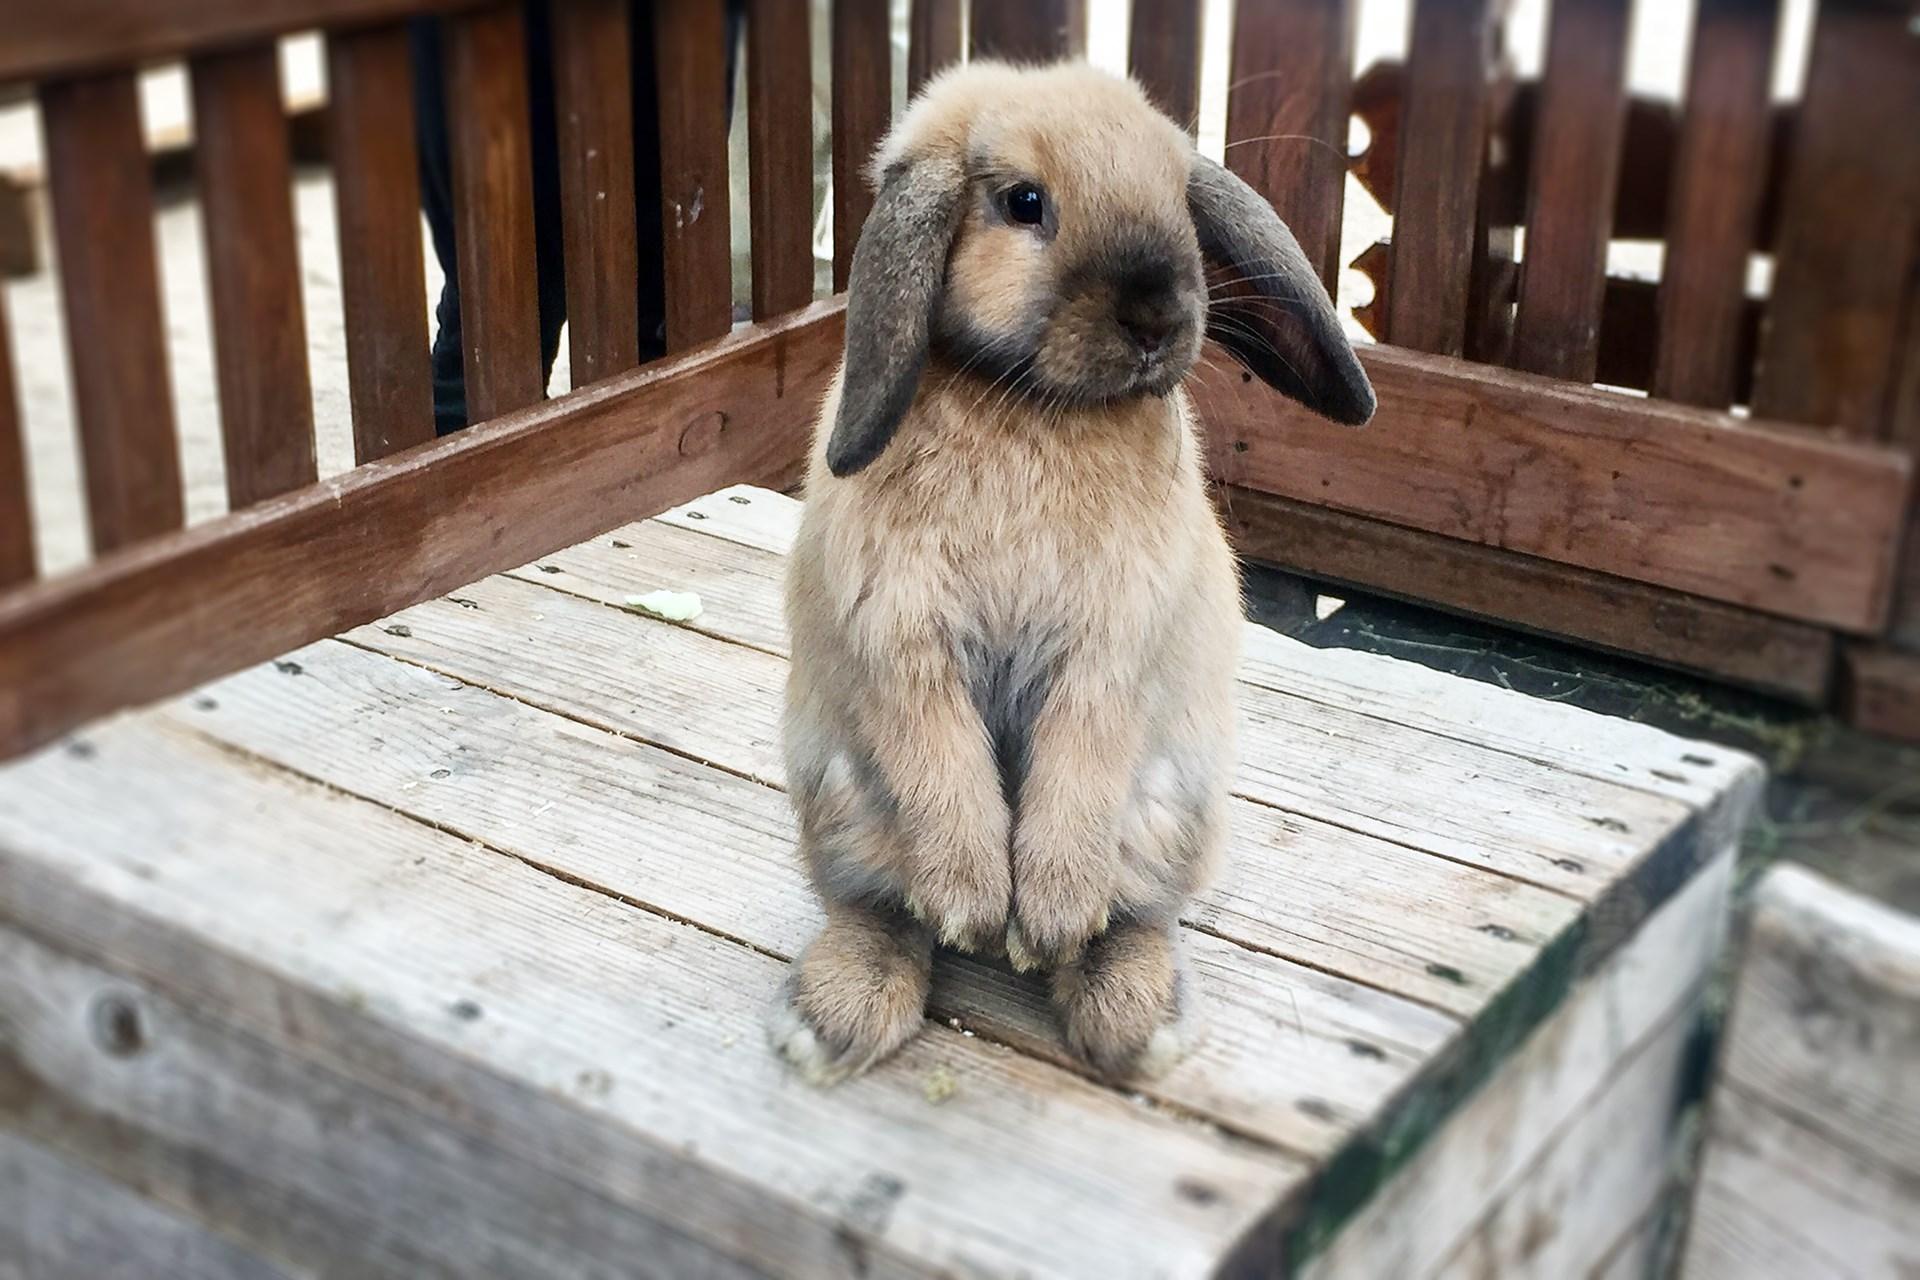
[(1818, 1128)]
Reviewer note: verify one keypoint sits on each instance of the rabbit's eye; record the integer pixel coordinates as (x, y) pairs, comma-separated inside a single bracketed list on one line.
[(1026, 205)]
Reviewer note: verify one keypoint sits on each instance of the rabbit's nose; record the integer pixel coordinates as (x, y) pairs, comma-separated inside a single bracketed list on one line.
[(1149, 332)]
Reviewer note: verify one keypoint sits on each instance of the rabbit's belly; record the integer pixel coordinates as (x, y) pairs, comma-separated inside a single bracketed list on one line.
[(1008, 682)]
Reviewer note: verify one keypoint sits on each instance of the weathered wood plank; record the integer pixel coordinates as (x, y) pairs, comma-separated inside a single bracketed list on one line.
[(862, 102), (1444, 1190), (1288, 112), (1608, 1165), (1289, 889), (376, 183), (1778, 1200), (934, 39), (621, 1050), (245, 170), (1719, 175), (488, 124), (1850, 224), (1761, 516), (287, 1159), (1788, 659), (102, 208), (593, 111), (48, 41), (162, 619), (1442, 146), (67, 1222), (1027, 30), (780, 155), (17, 562), (1576, 163), (1163, 54), (1881, 690), (690, 58)]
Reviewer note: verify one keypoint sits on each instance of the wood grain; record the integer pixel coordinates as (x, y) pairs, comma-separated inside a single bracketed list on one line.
[(780, 155), (1719, 175), (253, 273), (934, 39), (1788, 659), (1288, 112), (17, 562), (690, 57), (1028, 30), (1442, 146), (488, 122), (1813, 1133), (593, 90), (1576, 160), (1881, 691), (110, 285), (164, 618), (862, 102), (621, 1055), (57, 41), (1764, 517), (376, 183), (1552, 1078), (1850, 224), (1163, 54)]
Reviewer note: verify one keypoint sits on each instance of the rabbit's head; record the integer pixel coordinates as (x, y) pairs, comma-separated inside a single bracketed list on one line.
[(1048, 229)]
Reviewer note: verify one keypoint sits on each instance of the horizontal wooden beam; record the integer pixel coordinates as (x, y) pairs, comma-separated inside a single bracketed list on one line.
[(1772, 518), (45, 41), (181, 609), (1881, 691), (1788, 659)]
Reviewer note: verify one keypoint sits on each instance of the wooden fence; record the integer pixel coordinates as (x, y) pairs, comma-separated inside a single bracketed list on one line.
[(1754, 545)]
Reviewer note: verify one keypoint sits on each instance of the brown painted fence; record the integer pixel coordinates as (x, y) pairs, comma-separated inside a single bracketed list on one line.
[(1496, 480)]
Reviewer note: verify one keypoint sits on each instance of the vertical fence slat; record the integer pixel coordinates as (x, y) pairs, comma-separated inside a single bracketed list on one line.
[(1719, 174), (245, 170), (1163, 52), (376, 187), (102, 195), (780, 155), (1576, 166), (1847, 223), (16, 513), (593, 88), (1287, 115), (488, 123), (862, 100), (690, 57), (1028, 30), (1442, 146), (933, 39)]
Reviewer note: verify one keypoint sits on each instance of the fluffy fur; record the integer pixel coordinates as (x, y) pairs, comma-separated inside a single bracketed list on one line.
[(1015, 618)]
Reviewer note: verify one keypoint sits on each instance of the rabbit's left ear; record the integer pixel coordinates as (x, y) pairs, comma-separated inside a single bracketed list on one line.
[(899, 267), (1292, 337)]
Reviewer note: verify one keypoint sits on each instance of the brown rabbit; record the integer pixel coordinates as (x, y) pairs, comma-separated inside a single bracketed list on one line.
[(1015, 619)]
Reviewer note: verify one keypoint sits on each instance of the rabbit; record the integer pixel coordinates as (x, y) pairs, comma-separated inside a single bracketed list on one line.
[(1014, 615)]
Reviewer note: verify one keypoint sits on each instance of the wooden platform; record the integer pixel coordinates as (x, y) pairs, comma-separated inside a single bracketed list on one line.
[(442, 948)]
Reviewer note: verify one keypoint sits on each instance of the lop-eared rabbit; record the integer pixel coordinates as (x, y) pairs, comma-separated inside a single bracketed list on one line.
[(1014, 616)]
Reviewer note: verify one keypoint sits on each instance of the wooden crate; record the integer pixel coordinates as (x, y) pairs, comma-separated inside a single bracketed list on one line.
[(442, 947), (1812, 1159)]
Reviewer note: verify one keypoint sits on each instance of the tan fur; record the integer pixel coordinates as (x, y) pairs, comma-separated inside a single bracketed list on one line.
[(1052, 525)]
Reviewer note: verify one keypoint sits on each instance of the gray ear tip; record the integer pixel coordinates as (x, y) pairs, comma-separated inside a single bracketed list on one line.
[(1355, 408)]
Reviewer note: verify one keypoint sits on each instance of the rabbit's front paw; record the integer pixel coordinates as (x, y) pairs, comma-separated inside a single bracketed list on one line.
[(963, 898), (1054, 919)]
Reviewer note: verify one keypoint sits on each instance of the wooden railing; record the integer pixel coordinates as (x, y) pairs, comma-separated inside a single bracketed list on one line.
[(1495, 480)]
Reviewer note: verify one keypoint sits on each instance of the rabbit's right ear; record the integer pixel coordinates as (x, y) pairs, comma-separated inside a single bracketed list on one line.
[(899, 268)]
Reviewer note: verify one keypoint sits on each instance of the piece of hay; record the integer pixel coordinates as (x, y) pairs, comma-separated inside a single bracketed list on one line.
[(669, 606), (939, 1085)]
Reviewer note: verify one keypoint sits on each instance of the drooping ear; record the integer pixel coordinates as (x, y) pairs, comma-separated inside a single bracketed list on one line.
[(1290, 334), (894, 285)]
